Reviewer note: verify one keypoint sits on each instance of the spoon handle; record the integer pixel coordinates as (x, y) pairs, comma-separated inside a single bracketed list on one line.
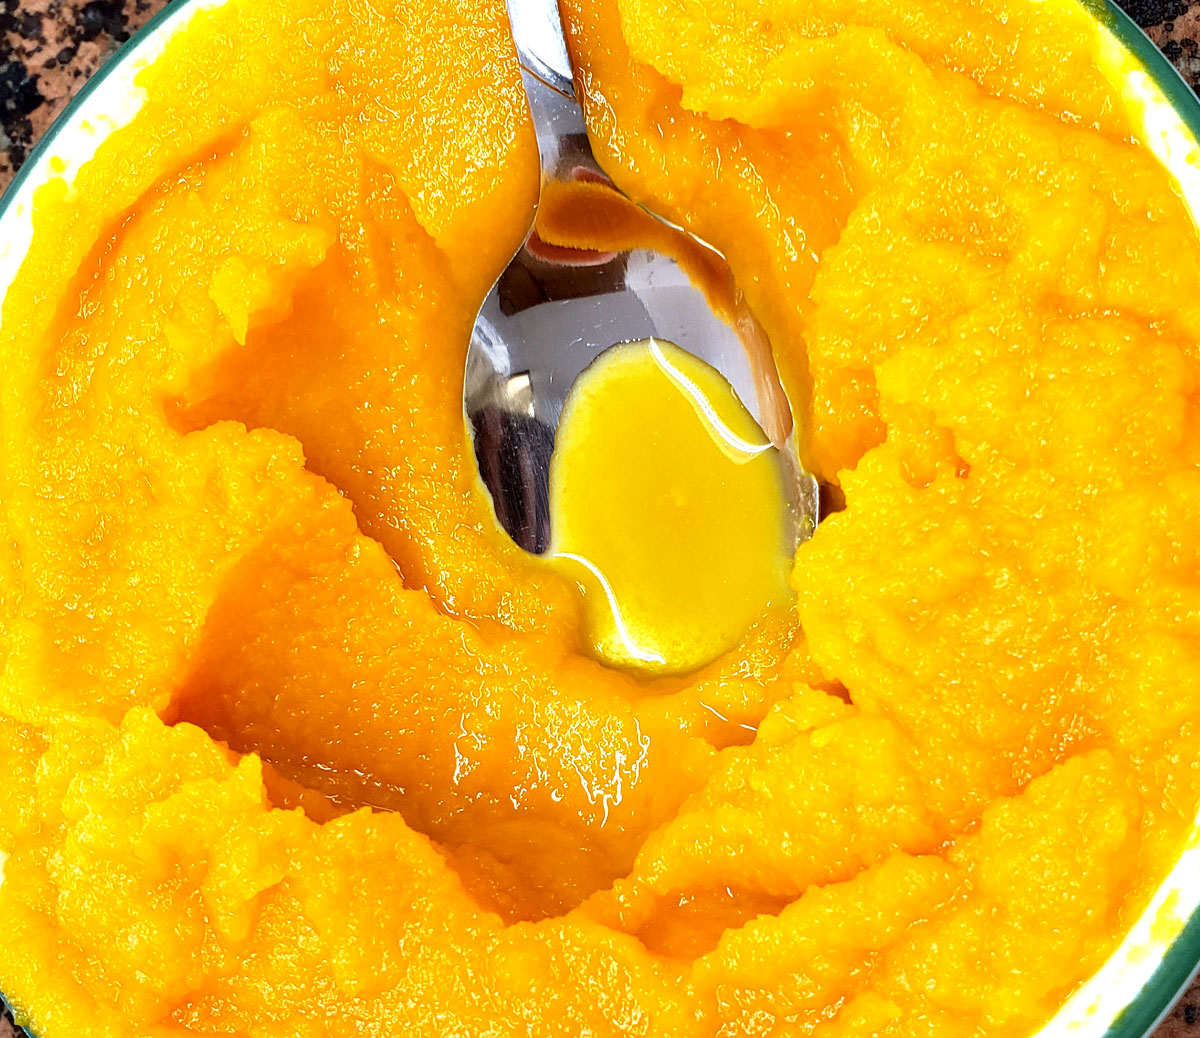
[(541, 45), (549, 86)]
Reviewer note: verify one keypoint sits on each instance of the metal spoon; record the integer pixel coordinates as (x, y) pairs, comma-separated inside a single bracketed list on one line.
[(554, 308)]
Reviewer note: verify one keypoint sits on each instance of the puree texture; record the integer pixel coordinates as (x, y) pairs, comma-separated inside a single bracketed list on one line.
[(295, 743)]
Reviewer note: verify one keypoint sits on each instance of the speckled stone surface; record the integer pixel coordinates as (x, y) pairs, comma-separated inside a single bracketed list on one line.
[(48, 48)]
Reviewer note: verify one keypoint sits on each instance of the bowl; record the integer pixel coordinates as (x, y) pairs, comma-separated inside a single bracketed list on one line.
[(1160, 954)]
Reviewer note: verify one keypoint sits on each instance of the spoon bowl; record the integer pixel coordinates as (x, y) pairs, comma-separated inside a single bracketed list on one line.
[(596, 270)]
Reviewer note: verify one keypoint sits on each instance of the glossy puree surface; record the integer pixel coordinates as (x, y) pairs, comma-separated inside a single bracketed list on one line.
[(295, 742), (668, 507)]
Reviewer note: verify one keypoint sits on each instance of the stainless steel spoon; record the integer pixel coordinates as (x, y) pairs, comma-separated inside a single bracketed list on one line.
[(554, 308)]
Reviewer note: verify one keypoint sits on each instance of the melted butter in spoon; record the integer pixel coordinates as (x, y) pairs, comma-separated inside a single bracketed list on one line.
[(668, 508)]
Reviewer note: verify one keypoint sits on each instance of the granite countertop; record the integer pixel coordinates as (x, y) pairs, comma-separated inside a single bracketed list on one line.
[(48, 48)]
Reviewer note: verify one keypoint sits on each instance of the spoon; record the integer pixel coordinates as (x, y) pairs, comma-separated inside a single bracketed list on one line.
[(596, 270)]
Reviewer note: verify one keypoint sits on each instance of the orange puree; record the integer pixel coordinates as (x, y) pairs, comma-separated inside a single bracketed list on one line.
[(294, 742)]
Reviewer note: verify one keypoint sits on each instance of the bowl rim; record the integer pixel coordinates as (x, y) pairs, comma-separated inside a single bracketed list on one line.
[(125, 51), (1179, 963)]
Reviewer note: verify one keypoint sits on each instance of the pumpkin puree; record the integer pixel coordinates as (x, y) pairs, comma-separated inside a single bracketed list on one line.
[(295, 743)]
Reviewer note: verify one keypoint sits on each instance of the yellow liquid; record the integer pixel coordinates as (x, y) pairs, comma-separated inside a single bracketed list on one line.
[(668, 508)]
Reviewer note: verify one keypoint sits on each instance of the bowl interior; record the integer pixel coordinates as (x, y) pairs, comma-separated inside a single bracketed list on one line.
[(1161, 952)]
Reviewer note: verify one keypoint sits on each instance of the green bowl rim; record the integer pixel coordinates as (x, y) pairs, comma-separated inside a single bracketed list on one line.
[(1181, 962), (107, 67)]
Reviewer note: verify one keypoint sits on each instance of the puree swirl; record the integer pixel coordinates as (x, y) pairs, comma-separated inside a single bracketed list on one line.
[(295, 742)]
